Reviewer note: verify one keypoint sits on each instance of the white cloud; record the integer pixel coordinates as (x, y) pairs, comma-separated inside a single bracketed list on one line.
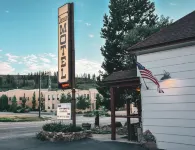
[(6, 68), (44, 62), (87, 24), (91, 35), (1, 50), (173, 4), (78, 20), (87, 66), (12, 58), (7, 11)]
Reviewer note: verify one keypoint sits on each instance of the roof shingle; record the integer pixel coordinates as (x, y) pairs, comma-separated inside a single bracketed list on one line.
[(182, 29)]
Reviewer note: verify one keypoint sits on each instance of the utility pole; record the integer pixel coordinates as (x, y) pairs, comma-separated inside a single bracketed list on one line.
[(39, 94)]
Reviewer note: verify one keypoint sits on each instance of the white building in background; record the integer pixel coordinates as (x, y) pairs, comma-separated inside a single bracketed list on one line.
[(170, 116), (52, 97)]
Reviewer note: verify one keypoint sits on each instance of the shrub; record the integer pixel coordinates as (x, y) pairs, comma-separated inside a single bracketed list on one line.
[(6, 120), (79, 112), (89, 114), (59, 127), (19, 107), (118, 124), (86, 126)]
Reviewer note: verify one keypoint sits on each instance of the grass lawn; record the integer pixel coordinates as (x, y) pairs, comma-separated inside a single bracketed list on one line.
[(20, 118)]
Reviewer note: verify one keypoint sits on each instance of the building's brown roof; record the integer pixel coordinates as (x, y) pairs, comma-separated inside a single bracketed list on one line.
[(121, 75), (180, 31)]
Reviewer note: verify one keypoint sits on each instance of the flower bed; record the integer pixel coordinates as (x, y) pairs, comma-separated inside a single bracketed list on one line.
[(120, 130), (61, 136), (62, 132)]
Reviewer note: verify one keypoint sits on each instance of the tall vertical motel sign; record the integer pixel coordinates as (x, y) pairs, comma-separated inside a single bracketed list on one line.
[(65, 46), (66, 52)]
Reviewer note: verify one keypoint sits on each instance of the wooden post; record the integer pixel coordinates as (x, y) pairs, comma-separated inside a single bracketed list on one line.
[(128, 120), (112, 103)]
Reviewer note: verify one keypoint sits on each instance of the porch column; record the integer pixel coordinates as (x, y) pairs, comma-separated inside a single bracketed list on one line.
[(128, 119), (112, 103)]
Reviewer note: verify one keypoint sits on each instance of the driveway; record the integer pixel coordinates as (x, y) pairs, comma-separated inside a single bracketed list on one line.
[(31, 143)]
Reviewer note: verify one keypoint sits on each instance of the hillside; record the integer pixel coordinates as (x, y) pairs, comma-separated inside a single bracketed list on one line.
[(31, 81)]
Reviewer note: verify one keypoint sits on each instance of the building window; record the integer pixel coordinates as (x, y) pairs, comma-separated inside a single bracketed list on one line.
[(48, 107), (10, 98), (53, 97), (87, 95), (84, 95), (52, 106), (57, 96), (48, 97), (28, 98), (20, 98)]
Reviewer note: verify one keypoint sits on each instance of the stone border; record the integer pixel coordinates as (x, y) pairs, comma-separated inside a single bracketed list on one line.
[(60, 136)]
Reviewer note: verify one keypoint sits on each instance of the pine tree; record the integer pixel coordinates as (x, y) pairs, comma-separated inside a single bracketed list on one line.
[(124, 16), (42, 102), (65, 98), (13, 107), (24, 102), (34, 101), (83, 103)]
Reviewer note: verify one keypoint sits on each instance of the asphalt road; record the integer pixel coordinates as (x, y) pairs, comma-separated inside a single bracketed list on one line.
[(89, 144), (21, 135), (22, 129)]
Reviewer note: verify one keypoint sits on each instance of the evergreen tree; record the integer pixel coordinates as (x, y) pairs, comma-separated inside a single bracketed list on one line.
[(14, 104), (89, 76), (125, 15), (42, 102), (24, 102), (3, 102), (1, 81), (65, 98), (83, 103), (34, 101), (93, 77)]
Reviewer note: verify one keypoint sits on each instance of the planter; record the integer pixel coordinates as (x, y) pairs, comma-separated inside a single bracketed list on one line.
[(86, 126), (60, 136)]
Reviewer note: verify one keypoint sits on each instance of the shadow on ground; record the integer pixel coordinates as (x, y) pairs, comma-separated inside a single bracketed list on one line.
[(34, 144)]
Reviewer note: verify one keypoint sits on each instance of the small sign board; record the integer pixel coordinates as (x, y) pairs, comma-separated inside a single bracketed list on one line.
[(64, 111)]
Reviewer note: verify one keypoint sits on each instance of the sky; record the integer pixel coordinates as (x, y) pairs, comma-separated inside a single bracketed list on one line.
[(29, 32)]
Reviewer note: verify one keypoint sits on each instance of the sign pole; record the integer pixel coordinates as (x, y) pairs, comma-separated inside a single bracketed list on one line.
[(66, 53), (73, 67)]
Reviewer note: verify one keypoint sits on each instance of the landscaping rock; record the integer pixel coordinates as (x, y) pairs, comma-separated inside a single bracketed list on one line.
[(148, 140), (60, 136), (122, 131)]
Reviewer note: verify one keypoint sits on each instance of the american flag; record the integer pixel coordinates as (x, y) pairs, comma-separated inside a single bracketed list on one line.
[(145, 73)]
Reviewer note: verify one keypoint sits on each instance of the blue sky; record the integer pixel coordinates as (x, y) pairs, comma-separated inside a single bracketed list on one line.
[(28, 32)]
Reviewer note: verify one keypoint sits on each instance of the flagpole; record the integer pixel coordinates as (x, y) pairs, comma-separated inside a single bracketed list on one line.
[(145, 84)]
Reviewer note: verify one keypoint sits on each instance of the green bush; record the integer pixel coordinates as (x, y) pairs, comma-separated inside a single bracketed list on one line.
[(79, 112), (59, 127), (7, 120), (118, 124), (89, 115), (19, 107), (107, 115)]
